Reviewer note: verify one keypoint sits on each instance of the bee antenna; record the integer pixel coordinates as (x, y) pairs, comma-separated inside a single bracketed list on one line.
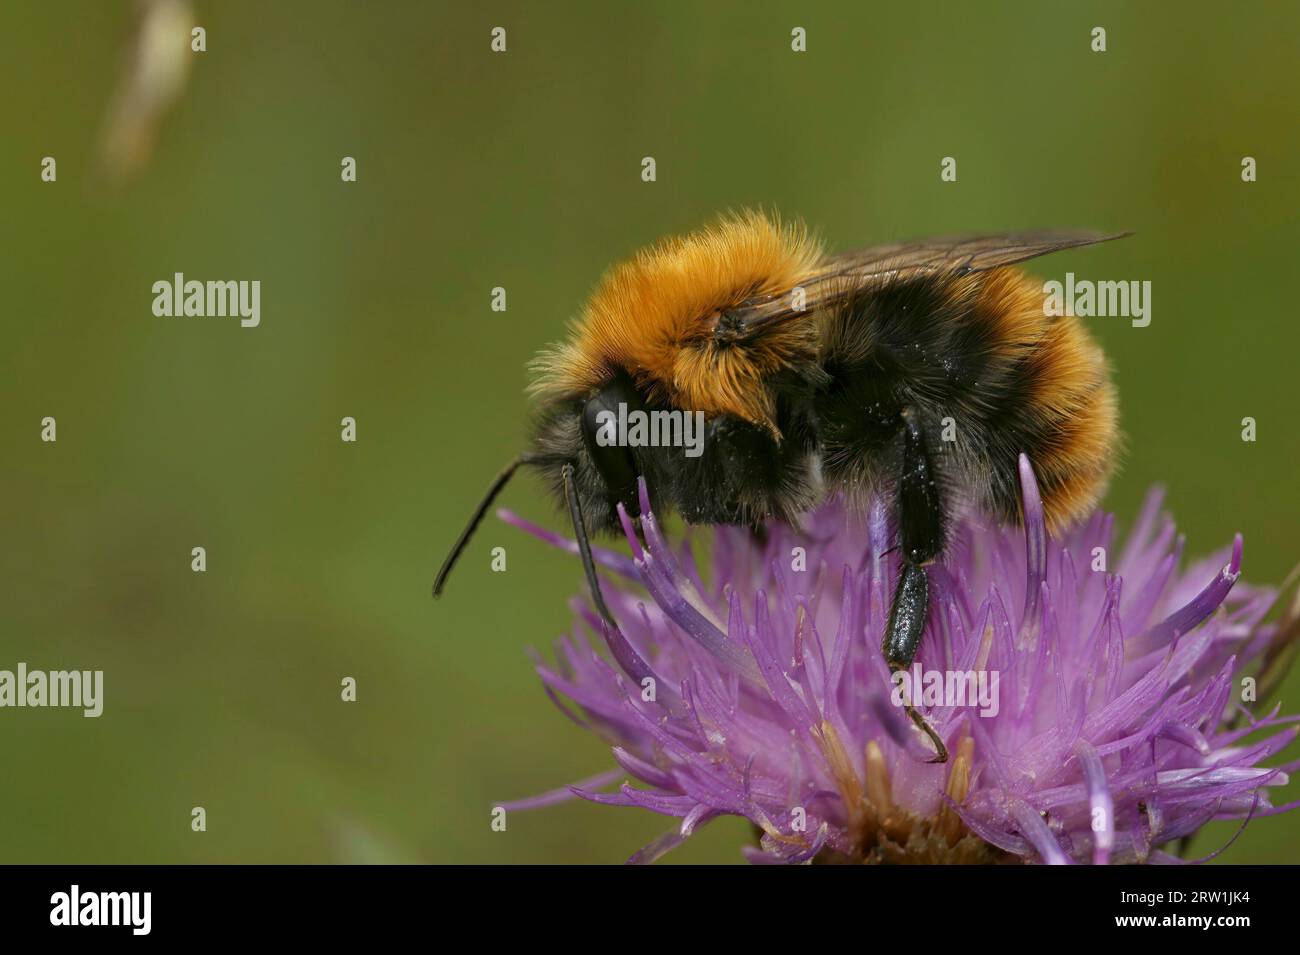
[(489, 496), (584, 546)]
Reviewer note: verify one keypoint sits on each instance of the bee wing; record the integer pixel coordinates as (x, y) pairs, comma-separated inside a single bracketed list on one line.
[(847, 273)]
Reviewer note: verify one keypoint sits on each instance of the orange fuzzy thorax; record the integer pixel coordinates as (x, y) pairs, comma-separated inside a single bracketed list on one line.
[(654, 317)]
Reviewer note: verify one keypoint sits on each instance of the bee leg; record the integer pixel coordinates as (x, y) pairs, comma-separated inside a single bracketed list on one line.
[(584, 548), (921, 523), (906, 623)]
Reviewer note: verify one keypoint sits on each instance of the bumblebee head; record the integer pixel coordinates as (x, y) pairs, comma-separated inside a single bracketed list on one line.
[(581, 436), (592, 451), (575, 447), (708, 467)]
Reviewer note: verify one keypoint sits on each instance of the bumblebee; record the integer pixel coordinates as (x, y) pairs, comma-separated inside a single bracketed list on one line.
[(917, 370)]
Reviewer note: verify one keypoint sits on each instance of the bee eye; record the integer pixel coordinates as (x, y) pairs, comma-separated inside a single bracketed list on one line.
[(601, 436)]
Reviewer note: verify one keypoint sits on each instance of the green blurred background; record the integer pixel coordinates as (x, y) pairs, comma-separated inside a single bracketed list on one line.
[(523, 170)]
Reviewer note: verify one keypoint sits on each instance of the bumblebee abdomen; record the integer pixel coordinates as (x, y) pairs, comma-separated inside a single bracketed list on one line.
[(991, 376), (1055, 403)]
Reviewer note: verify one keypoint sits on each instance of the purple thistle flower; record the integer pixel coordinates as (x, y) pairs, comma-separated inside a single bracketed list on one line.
[(1106, 725)]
